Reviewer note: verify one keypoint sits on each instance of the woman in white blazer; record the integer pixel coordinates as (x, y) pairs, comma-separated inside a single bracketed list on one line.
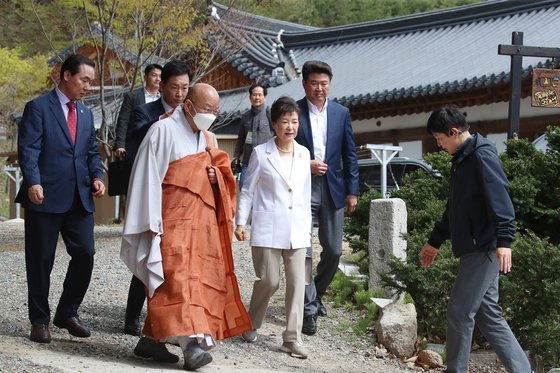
[(277, 192)]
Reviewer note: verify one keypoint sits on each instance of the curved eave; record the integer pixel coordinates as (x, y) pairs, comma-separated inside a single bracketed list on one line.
[(259, 49), (413, 100)]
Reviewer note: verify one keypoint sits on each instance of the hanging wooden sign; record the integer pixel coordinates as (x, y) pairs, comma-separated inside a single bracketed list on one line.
[(545, 91)]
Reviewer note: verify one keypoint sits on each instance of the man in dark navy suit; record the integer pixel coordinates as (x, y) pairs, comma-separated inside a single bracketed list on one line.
[(174, 85), (62, 172), (133, 99), (326, 130)]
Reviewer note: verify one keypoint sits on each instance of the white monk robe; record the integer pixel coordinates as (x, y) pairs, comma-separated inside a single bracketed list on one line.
[(166, 141)]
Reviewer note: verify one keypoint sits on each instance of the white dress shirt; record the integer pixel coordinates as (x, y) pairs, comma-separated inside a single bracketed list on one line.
[(149, 97), (63, 102), (318, 121), (166, 106)]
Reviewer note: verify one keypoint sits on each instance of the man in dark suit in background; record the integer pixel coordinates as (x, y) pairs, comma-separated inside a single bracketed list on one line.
[(137, 97), (62, 172), (174, 86), (326, 130)]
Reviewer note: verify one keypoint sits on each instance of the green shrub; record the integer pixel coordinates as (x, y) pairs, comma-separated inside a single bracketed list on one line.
[(530, 296), (362, 297), (351, 293), (356, 226), (363, 325), (372, 310), (534, 185), (429, 287), (342, 287), (408, 299)]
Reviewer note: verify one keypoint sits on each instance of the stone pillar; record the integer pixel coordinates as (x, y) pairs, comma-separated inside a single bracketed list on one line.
[(387, 225)]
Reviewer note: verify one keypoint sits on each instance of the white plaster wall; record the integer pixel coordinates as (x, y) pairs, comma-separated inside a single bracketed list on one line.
[(411, 149), (494, 111)]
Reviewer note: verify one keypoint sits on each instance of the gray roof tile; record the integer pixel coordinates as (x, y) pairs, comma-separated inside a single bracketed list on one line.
[(257, 36)]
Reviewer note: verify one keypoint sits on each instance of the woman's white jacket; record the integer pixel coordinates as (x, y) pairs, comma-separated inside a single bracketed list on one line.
[(280, 200)]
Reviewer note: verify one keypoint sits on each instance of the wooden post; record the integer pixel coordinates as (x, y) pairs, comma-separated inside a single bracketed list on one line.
[(515, 86)]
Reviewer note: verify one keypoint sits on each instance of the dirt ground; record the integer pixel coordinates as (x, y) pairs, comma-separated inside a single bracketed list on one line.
[(335, 348)]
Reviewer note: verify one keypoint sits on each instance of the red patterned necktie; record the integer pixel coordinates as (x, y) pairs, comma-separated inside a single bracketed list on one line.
[(72, 120)]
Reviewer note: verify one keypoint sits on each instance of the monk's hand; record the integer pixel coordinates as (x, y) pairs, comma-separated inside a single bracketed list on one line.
[(35, 194), (503, 254), (98, 188), (427, 255), (211, 175), (240, 232), (318, 167)]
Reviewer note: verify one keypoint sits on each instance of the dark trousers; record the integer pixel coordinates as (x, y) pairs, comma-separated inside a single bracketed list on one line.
[(330, 220), (41, 236), (136, 298)]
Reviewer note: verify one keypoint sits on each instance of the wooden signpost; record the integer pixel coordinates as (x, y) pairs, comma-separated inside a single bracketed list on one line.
[(517, 51)]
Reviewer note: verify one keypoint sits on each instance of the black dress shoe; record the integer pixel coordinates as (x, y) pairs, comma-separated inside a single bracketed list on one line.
[(73, 324), (321, 309), (132, 327), (309, 325), (40, 333), (149, 348)]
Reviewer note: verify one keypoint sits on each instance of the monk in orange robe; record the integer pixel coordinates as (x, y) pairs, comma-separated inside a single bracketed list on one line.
[(178, 232)]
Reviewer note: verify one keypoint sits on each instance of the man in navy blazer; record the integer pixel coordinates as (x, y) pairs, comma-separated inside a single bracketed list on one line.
[(133, 99), (326, 130), (62, 172), (174, 85), (144, 116)]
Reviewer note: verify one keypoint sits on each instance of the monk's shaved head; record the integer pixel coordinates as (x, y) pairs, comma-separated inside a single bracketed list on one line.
[(203, 92)]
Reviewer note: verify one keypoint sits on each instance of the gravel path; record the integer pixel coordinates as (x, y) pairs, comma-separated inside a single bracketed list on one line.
[(333, 349), (109, 350)]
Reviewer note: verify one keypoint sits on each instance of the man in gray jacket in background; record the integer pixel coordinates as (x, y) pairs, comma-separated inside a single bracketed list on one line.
[(254, 129)]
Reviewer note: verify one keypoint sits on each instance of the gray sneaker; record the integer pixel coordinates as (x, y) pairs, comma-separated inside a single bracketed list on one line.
[(195, 357), (250, 336), (295, 349)]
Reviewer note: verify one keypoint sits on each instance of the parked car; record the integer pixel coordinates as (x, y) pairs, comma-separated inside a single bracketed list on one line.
[(541, 143), (398, 167)]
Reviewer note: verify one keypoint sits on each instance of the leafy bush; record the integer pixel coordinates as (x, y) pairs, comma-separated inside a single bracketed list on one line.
[(352, 293), (356, 229), (534, 185), (530, 296)]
